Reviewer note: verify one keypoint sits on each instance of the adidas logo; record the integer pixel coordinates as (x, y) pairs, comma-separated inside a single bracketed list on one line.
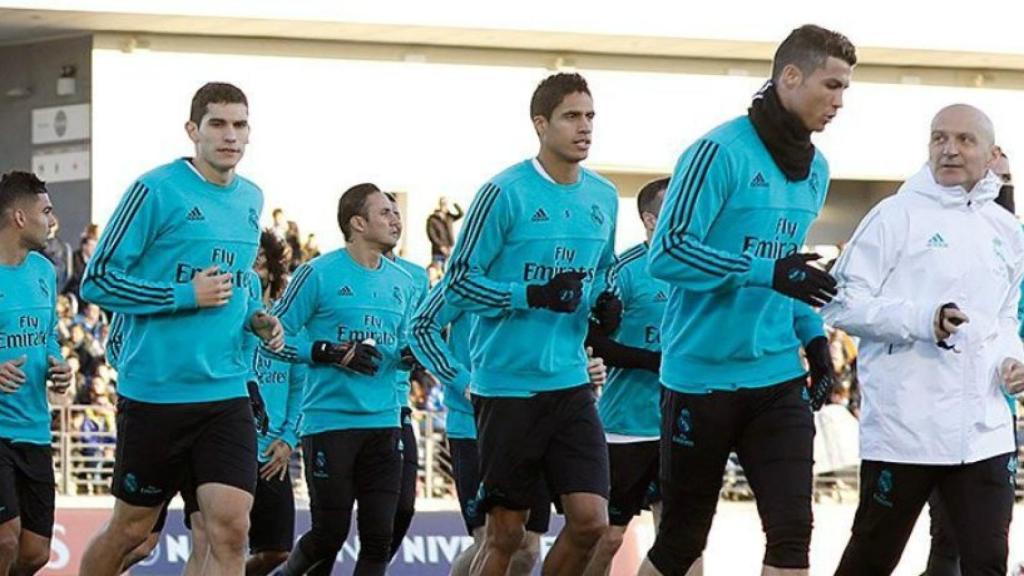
[(539, 216), (195, 215), (759, 181), (345, 291), (937, 241), (660, 297)]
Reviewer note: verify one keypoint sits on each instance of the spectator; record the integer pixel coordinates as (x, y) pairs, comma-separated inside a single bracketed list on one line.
[(92, 321), (440, 232), (280, 226), (291, 238), (59, 253), (311, 249), (86, 246)]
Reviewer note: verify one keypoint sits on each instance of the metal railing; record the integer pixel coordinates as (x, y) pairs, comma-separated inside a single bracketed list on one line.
[(84, 458)]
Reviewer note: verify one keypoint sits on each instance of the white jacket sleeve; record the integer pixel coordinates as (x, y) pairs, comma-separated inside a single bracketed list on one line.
[(859, 308)]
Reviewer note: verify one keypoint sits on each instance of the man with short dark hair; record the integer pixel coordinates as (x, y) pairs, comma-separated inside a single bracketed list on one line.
[(736, 213), (535, 238), (30, 356), (628, 338), (354, 305), (175, 260), (930, 283)]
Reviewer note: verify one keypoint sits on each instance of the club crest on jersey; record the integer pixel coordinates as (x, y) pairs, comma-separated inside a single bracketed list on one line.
[(44, 288), (597, 215), (815, 182), (254, 219), (684, 427), (396, 293), (884, 485)]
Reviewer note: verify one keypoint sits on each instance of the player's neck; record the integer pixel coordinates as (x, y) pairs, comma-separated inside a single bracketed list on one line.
[(558, 169), (364, 253), (211, 174), (12, 252)]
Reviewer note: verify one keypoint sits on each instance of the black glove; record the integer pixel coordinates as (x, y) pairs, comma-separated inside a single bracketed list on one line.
[(356, 356), (407, 360), (259, 409), (561, 294), (941, 318), (795, 278), (823, 377), (607, 312)]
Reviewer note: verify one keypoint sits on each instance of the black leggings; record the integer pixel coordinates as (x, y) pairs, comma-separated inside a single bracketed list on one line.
[(978, 498), (407, 496), (343, 467)]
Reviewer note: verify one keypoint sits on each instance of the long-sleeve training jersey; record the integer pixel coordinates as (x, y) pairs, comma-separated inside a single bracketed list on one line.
[(523, 229), (421, 284), (449, 360), (28, 324), (728, 214), (334, 298), (169, 226)]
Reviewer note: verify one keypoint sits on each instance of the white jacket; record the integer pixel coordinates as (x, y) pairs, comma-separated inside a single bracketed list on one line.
[(921, 248)]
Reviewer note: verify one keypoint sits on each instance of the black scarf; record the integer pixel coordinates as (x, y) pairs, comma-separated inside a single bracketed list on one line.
[(783, 134)]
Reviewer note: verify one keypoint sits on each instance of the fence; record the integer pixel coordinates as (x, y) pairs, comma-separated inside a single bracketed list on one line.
[(84, 437)]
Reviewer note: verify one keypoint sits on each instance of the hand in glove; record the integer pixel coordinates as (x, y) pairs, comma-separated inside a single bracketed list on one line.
[(356, 356), (607, 312), (796, 278), (259, 409), (823, 376), (561, 294)]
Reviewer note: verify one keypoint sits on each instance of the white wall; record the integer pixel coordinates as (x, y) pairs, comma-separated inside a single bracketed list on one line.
[(321, 125)]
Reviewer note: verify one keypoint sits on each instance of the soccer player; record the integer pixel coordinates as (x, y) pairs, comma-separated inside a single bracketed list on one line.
[(449, 361), (930, 282), (354, 305), (175, 257), (736, 213), (410, 451), (29, 357), (630, 343), (534, 239), (278, 396)]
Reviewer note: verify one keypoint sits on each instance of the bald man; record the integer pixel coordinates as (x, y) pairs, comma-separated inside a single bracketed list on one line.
[(930, 282)]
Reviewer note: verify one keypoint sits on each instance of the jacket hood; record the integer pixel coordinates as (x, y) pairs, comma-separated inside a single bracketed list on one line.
[(923, 183)]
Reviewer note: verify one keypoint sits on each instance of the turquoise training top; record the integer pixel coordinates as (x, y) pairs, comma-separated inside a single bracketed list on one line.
[(449, 360), (169, 226), (334, 298), (522, 229), (728, 214), (28, 327)]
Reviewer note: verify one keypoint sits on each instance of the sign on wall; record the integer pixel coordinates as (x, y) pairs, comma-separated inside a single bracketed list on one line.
[(61, 124), (62, 165)]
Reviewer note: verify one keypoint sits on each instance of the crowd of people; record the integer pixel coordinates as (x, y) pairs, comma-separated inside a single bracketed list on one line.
[(230, 348)]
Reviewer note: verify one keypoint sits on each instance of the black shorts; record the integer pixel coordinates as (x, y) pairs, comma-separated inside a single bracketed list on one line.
[(162, 446), (554, 437), (466, 469), (634, 472), (188, 496), (772, 431), (344, 465), (977, 497), (272, 519), (27, 486)]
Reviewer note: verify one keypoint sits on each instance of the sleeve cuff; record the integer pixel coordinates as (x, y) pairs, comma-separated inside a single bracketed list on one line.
[(761, 272), (461, 383), (518, 300), (291, 439), (184, 297), (924, 324)]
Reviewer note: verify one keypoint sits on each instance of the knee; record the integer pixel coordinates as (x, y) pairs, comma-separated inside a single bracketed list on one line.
[(611, 541), (375, 547), (528, 553), (506, 536), (589, 528), (228, 532), (8, 545), (130, 534), (33, 561)]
